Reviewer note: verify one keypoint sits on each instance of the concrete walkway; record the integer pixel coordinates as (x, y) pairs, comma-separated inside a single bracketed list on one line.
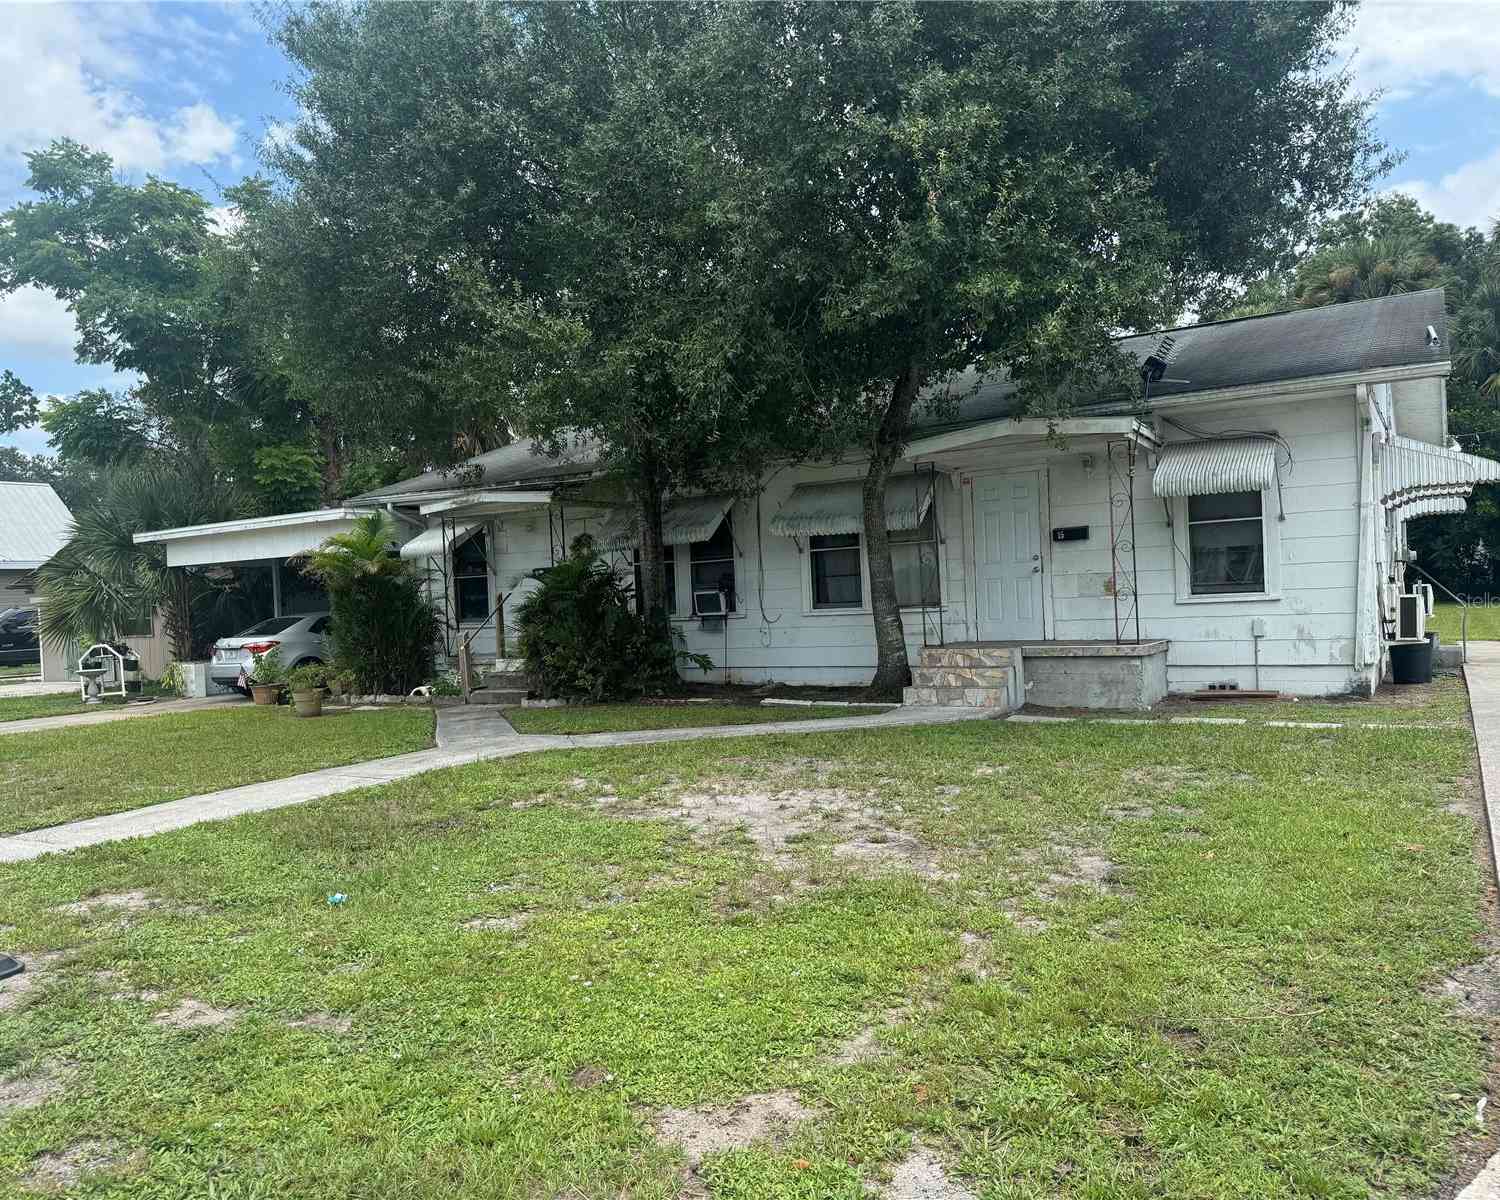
[(104, 716), (464, 736), (1482, 676)]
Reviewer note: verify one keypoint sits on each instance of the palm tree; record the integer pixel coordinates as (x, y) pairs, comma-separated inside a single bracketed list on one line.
[(1364, 269), (1476, 335), (102, 583), (364, 551)]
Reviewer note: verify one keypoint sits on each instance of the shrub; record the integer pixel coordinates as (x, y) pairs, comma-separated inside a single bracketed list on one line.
[(581, 639), (267, 668), (310, 677), (382, 626)]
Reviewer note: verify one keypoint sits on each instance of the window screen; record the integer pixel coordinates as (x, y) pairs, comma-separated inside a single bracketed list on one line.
[(711, 564), (836, 580), (1226, 544), (914, 554), (471, 580)]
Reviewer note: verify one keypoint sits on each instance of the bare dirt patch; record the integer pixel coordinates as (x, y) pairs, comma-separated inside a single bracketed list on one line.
[(1081, 868), (776, 821), (510, 923), (589, 1075), (989, 770), (14, 989), (128, 902), (1475, 989), (61, 1169), (45, 1081), (864, 1044), (767, 1117), (322, 1022), (973, 953), (194, 1014), (922, 1176)]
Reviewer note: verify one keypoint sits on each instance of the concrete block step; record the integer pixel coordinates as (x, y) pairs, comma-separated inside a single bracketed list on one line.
[(505, 679), (962, 677), (967, 656), (996, 698), (489, 695)]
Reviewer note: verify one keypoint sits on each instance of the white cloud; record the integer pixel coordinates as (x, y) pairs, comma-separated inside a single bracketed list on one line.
[(1404, 47), (67, 72), (34, 323), (1468, 196)]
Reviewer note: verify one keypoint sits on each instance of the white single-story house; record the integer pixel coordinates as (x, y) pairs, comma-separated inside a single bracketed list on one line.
[(34, 525), (1243, 522)]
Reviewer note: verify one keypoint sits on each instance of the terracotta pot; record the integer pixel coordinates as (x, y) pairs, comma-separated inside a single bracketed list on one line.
[(308, 704), (265, 693)]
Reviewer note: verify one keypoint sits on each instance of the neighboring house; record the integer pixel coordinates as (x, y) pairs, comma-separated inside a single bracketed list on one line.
[(34, 524), (1241, 525)]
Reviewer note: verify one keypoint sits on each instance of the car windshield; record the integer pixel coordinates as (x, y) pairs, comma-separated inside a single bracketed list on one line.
[(271, 625)]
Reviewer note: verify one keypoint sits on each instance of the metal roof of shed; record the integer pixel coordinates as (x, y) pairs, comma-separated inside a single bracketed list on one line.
[(34, 525)]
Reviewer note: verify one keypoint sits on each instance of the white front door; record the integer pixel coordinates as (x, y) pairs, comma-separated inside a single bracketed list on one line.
[(1008, 555)]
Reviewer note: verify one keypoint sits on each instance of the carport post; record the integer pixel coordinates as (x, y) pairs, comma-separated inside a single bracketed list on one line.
[(276, 587)]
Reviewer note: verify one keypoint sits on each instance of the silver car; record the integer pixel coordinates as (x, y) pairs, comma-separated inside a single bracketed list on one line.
[(300, 639)]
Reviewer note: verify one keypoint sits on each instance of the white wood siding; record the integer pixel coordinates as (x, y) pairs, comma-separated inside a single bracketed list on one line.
[(1310, 643)]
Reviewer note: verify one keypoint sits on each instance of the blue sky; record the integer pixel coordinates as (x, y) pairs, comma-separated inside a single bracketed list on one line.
[(189, 91)]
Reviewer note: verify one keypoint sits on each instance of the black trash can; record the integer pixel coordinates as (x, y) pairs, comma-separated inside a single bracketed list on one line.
[(1411, 662)]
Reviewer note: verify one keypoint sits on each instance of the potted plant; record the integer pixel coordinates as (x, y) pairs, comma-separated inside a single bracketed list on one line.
[(307, 683), (267, 677)]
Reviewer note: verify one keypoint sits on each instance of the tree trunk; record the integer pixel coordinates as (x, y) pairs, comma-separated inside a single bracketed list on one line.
[(892, 669), (648, 491), (333, 466)]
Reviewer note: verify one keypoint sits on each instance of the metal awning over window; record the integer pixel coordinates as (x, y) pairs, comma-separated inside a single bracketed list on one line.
[(688, 520), (1432, 507), (430, 543), (823, 508), (1411, 470), (1211, 468)]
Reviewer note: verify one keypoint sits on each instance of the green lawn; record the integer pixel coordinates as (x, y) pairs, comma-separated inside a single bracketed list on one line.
[(1484, 622), (49, 777), (1073, 961), (610, 718), (19, 671), (60, 704)]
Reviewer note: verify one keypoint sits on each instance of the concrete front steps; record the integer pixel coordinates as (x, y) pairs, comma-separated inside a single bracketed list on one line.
[(505, 684), (986, 677)]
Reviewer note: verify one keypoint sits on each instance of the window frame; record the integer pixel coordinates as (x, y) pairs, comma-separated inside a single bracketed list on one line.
[(1182, 555), (732, 608), (862, 566), (669, 560), (936, 542), (458, 578)]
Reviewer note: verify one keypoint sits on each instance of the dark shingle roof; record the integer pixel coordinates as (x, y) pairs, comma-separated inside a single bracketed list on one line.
[(516, 463), (1363, 335)]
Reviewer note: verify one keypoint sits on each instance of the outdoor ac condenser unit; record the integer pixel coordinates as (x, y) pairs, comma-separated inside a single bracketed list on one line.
[(1411, 617), (1428, 598)]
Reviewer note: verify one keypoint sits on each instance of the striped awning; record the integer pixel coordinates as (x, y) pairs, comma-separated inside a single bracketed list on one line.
[(1432, 507), (1213, 467), (1411, 470), (693, 519), (430, 542), (823, 508)]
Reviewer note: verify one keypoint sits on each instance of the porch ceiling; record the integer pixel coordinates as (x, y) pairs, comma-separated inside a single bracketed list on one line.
[(485, 504), (1031, 434), (254, 539)]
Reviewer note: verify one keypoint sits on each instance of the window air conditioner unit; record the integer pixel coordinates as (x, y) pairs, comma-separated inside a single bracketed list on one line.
[(1411, 617), (708, 604)]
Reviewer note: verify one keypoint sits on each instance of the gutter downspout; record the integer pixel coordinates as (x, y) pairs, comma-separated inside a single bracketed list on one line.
[(1364, 651)]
